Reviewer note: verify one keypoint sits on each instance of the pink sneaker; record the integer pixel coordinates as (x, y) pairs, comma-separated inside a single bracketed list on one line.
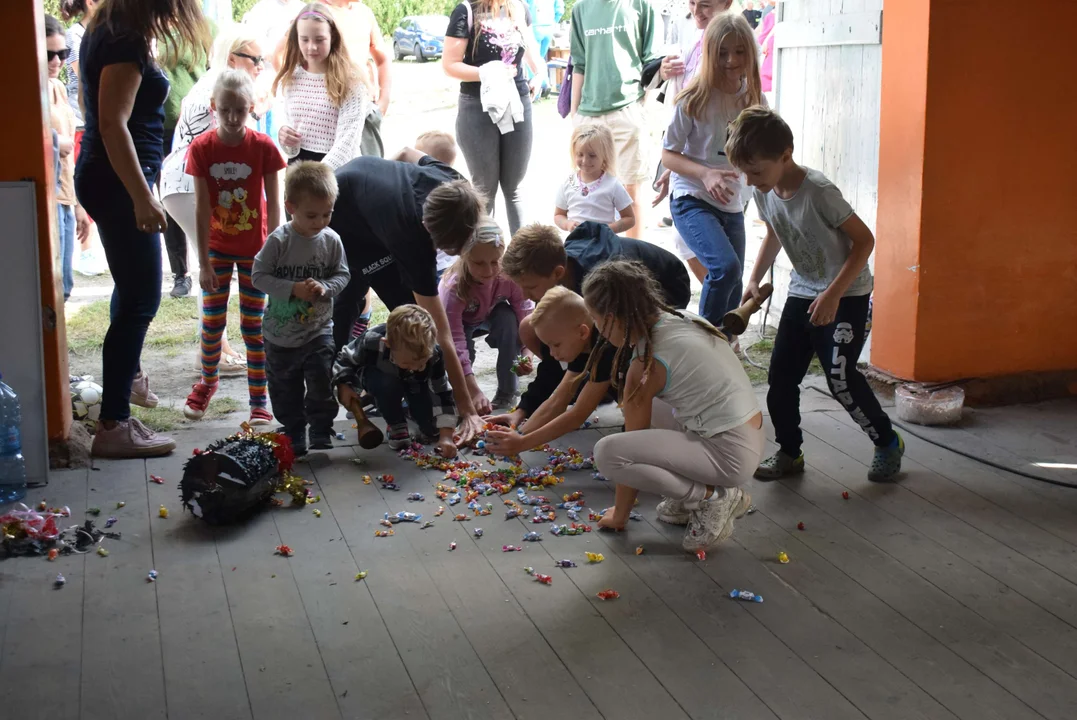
[(141, 394), (260, 416), (198, 400), (130, 439)]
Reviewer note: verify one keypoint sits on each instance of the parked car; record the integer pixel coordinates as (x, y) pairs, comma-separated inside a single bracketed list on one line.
[(420, 35)]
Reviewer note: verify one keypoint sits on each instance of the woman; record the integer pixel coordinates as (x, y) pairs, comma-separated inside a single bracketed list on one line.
[(238, 48), (481, 32), (123, 93)]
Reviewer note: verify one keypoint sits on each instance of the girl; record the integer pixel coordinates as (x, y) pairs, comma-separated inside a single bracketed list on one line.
[(707, 207), (325, 99), (479, 300), (693, 430), (124, 91), (231, 166), (486, 44), (236, 47), (593, 193)]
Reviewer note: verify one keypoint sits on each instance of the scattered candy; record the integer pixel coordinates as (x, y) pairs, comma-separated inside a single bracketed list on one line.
[(845, 494), (639, 550), (701, 554), (452, 546), (284, 551), (93, 511), (111, 521), (609, 594), (529, 570), (425, 525), (162, 512), (386, 522), (565, 564), (157, 479), (121, 504), (783, 558), (102, 551), (42, 506), (595, 557), (441, 509), (60, 580), (477, 532), (544, 579), (800, 526), (317, 512), (461, 518), (403, 516), (510, 548), (533, 537), (360, 575), (746, 595), (53, 554), (367, 479), (152, 576), (416, 497), (383, 533), (751, 509)]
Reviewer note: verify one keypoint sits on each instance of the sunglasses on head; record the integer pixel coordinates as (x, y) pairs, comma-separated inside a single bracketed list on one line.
[(62, 54), (256, 59)]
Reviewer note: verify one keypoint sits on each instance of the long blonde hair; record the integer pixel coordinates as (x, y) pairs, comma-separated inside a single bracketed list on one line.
[(696, 96), (342, 74), (488, 233)]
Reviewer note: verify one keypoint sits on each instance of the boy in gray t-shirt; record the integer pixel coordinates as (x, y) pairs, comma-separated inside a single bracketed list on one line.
[(827, 308)]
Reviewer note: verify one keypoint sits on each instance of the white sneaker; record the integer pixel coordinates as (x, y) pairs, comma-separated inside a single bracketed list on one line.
[(130, 439), (713, 521), (673, 512), (141, 394)]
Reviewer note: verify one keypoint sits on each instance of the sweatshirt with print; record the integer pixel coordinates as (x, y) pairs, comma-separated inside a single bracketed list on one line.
[(611, 42)]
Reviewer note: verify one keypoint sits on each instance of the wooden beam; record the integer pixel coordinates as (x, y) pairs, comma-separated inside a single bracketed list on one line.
[(864, 28)]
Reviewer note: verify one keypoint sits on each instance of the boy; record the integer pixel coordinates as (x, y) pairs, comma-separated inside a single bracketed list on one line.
[(438, 144), (567, 336), (400, 359), (829, 246), (302, 268)]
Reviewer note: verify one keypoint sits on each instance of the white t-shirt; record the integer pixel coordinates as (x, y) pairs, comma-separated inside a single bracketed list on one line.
[(704, 142), (599, 201), (807, 227), (705, 382)]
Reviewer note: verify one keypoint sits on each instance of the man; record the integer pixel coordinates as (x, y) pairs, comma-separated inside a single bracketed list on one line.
[(392, 218), (611, 42), (751, 14)]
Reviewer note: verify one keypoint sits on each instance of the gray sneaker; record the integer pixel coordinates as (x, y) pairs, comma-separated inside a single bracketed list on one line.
[(713, 521), (141, 394), (130, 439), (779, 465), (503, 401), (673, 512), (181, 286)]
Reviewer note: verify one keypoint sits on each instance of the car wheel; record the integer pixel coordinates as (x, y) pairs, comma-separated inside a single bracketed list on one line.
[(419, 57), (396, 51)]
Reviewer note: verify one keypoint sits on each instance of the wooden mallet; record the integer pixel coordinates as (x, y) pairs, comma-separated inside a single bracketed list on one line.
[(735, 322), (369, 435)]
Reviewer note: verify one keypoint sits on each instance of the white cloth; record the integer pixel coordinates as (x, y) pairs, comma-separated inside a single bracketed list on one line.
[(324, 127), (500, 96), (195, 118), (602, 203), (271, 20)]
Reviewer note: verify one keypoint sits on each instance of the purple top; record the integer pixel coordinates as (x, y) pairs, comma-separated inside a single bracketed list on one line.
[(477, 308)]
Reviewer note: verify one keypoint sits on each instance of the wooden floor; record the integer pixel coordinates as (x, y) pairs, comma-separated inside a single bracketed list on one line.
[(951, 594)]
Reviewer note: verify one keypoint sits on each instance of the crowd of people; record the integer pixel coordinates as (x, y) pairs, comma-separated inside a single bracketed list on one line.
[(597, 316)]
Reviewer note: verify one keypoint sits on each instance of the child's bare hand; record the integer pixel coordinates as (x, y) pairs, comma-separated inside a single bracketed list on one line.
[(609, 522), (661, 186), (446, 449), (526, 366), (752, 293), (317, 290), (824, 309), (346, 395), (303, 291), (719, 183), (207, 279), (288, 137)]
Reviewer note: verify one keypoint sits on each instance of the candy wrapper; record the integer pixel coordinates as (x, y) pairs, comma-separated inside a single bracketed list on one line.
[(608, 594), (462, 518), (383, 533), (533, 537), (441, 509), (416, 497), (157, 479), (746, 595), (427, 524), (452, 546), (361, 575), (151, 576), (403, 516), (701, 554), (639, 550), (565, 564), (512, 513), (454, 498), (595, 557), (510, 548), (284, 550), (783, 558), (60, 580), (529, 570), (477, 532), (544, 579), (102, 551)]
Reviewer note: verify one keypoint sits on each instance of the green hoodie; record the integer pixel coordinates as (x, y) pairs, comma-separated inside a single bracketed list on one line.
[(611, 41), (182, 75)]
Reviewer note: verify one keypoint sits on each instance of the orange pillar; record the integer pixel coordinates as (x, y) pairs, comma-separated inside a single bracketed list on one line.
[(28, 156), (977, 227)]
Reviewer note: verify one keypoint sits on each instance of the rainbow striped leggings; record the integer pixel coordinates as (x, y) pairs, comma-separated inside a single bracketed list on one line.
[(252, 304)]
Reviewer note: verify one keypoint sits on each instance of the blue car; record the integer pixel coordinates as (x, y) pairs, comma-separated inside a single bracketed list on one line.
[(420, 35)]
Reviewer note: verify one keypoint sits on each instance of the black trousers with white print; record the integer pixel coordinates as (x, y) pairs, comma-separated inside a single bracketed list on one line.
[(838, 347)]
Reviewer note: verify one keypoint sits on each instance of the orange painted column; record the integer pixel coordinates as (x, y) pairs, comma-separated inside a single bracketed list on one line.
[(28, 156), (977, 226)]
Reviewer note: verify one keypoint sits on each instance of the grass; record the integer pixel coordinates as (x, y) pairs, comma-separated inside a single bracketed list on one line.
[(174, 327), (760, 354), (166, 419)]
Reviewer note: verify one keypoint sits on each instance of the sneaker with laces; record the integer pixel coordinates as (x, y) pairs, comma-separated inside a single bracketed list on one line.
[(259, 416), (198, 400), (130, 439), (779, 465), (503, 401), (141, 394), (399, 438), (673, 512), (712, 522), (886, 463), (181, 286)]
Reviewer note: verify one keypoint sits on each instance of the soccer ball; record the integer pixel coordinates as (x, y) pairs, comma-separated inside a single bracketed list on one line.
[(86, 403)]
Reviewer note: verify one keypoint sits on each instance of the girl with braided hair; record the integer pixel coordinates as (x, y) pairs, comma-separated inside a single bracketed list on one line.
[(694, 432)]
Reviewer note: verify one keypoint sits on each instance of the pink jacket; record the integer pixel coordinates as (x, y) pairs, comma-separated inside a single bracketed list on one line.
[(766, 41), (477, 308)]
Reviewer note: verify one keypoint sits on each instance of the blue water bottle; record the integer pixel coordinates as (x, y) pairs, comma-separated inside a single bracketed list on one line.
[(12, 465)]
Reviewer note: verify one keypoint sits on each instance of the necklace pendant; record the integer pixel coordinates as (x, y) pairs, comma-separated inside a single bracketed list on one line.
[(585, 191)]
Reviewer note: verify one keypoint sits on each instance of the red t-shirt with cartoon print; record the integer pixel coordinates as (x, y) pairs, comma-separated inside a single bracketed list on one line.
[(237, 222)]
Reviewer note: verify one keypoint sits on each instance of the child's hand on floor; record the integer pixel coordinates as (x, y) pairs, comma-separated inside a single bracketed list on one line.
[(505, 442), (446, 449), (481, 402), (512, 419)]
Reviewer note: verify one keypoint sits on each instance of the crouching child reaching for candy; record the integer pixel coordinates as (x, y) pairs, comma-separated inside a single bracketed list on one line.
[(393, 362), (694, 432)]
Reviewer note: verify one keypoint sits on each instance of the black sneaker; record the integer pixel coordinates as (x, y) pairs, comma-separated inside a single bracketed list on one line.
[(321, 442), (181, 286)]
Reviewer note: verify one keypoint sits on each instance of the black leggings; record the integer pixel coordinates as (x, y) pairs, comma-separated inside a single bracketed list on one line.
[(838, 347)]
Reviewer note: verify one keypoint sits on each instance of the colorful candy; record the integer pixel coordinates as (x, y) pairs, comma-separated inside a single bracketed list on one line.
[(162, 512), (477, 532), (544, 579), (317, 512), (639, 550), (361, 575), (384, 533), (157, 479), (701, 554), (532, 537), (800, 526), (441, 509), (284, 550), (53, 554), (60, 580), (102, 551), (415, 497), (608, 594), (403, 516), (121, 504), (151, 576), (746, 595), (425, 525), (529, 570), (565, 564), (783, 558), (510, 548), (110, 522), (452, 546), (845, 494), (593, 557), (461, 518)]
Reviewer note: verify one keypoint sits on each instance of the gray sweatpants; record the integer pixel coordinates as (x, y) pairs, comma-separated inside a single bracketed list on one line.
[(670, 461), (494, 159)]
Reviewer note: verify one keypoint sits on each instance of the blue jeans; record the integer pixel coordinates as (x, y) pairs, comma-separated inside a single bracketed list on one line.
[(65, 215), (389, 393), (134, 259), (717, 239)]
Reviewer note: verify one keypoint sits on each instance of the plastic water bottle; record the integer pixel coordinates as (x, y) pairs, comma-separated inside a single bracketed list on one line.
[(12, 465)]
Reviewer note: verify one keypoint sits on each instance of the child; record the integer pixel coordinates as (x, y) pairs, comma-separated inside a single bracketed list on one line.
[(694, 432), (538, 261), (396, 361), (439, 145), (302, 268), (593, 192), (706, 190), (231, 166), (829, 247), (561, 323), (479, 300), (325, 97)]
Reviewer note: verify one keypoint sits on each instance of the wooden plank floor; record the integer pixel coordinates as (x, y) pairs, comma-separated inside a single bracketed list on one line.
[(950, 594)]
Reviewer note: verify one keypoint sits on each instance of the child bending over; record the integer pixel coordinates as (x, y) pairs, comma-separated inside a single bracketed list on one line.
[(439, 145), (302, 268), (562, 325), (480, 300), (593, 192), (829, 247), (693, 430), (399, 361)]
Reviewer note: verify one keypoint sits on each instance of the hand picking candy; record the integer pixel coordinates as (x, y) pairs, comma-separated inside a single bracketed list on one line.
[(477, 532), (151, 576), (462, 518), (157, 479), (593, 557), (415, 497), (521, 366), (284, 550), (533, 537), (565, 563), (609, 594), (384, 533), (452, 546), (510, 548), (746, 595), (544, 579), (783, 558)]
